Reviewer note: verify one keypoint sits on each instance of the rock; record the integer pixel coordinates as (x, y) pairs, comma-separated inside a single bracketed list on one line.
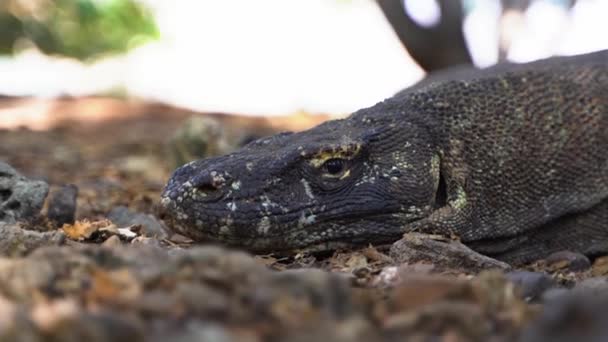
[(415, 291), (62, 205), (112, 241), (16, 241), (142, 240), (566, 260), (600, 266), (592, 286), (571, 317), (127, 292), (194, 331), (391, 275), (441, 252), (197, 138), (531, 285), (180, 239), (20, 198), (97, 327), (426, 305), (123, 217), (311, 290), (554, 293)]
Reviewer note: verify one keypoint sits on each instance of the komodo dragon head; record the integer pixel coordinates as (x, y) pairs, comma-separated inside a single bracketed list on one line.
[(352, 181)]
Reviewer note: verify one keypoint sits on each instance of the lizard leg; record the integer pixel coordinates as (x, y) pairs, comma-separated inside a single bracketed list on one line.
[(453, 215), (584, 232), (447, 221)]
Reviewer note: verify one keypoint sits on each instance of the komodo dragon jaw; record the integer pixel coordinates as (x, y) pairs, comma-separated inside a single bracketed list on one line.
[(341, 183)]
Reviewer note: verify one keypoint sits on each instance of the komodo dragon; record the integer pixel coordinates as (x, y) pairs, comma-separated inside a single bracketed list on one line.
[(513, 160)]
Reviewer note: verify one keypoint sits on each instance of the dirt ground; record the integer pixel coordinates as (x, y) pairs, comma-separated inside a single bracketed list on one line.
[(117, 273)]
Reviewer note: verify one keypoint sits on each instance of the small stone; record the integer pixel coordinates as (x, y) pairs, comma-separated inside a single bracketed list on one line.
[(531, 284), (600, 266), (196, 330), (571, 317), (554, 294), (126, 233), (123, 217), (355, 261), (327, 294), (441, 252), (416, 291), (20, 198), (112, 241), (592, 286), (180, 239), (16, 241), (142, 240), (62, 205), (566, 260)]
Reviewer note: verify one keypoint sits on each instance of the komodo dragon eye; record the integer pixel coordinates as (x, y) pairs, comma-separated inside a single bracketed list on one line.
[(334, 166)]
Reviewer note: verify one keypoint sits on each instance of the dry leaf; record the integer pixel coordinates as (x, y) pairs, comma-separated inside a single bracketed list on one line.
[(83, 230)]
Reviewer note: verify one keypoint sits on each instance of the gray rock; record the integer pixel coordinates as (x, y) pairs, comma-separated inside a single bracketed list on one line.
[(16, 241), (143, 240), (329, 293), (592, 286), (531, 284), (20, 198), (572, 317), (194, 331), (441, 252), (554, 293), (122, 216), (572, 261), (62, 205)]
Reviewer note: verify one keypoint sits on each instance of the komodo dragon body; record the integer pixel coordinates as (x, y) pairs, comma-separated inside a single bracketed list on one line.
[(513, 160)]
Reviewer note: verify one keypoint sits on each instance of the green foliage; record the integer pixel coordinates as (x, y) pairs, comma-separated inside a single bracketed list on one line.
[(83, 29)]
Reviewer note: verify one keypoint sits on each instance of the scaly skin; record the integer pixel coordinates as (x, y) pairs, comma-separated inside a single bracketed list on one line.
[(509, 159)]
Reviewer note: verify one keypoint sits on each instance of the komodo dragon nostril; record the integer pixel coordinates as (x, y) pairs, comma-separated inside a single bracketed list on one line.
[(209, 181)]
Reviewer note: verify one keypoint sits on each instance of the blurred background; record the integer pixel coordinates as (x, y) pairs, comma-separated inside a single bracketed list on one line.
[(272, 57)]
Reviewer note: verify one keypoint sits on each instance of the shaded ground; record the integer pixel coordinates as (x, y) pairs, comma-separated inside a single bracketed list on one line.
[(119, 274)]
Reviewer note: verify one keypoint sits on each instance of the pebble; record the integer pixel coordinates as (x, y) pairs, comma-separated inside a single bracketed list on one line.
[(123, 217), (442, 253), (16, 241), (568, 260), (62, 205), (112, 241), (571, 317), (20, 198), (554, 294), (600, 266), (142, 240), (531, 285), (592, 286)]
